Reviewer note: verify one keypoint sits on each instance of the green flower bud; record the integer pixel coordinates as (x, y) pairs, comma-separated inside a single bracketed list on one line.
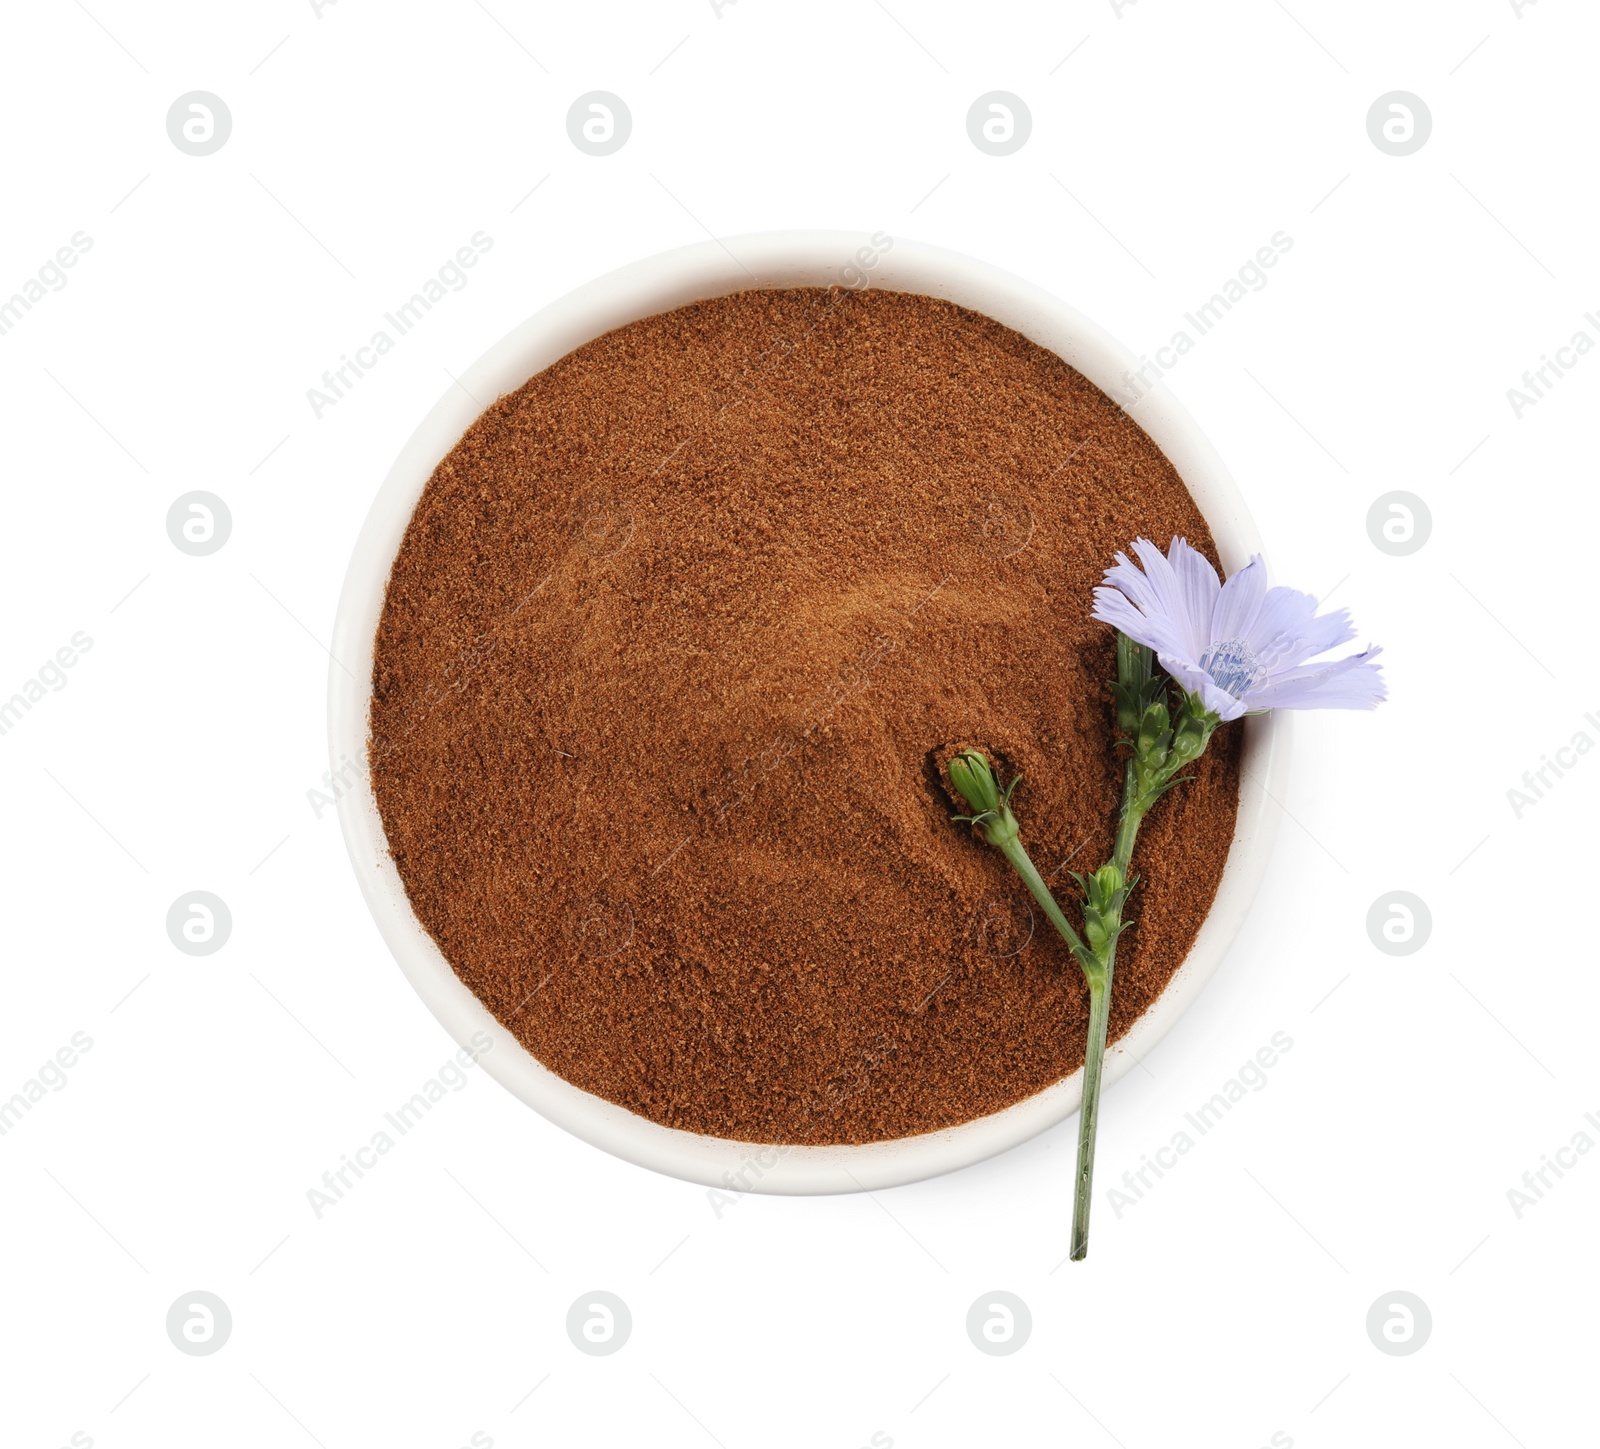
[(973, 780), (1104, 892), (1154, 732), (1193, 731)]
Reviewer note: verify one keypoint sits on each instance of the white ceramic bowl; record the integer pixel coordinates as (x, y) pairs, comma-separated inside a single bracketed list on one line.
[(659, 284)]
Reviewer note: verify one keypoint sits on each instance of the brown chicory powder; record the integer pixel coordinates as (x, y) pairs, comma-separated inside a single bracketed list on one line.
[(675, 646)]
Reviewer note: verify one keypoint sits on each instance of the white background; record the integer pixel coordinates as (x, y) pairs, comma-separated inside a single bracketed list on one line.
[(1169, 142)]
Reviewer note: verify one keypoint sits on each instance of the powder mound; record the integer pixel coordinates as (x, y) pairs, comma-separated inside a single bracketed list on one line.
[(672, 652)]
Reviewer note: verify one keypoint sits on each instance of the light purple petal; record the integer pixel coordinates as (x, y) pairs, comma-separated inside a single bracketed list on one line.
[(1155, 630), (1146, 604), (1283, 617), (1239, 602), (1169, 595), (1321, 634), (1195, 680), (1199, 588), (1130, 579), (1354, 682)]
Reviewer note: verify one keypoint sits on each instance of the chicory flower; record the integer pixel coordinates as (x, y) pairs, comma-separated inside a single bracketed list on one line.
[(1240, 646)]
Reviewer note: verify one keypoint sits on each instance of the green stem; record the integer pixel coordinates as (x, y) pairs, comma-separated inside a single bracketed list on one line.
[(1160, 747), (1097, 971), (1013, 851), (1089, 1116), (1135, 801), (1159, 752), (1133, 809)]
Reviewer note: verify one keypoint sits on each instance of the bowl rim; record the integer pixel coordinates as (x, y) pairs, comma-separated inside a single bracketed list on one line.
[(646, 288)]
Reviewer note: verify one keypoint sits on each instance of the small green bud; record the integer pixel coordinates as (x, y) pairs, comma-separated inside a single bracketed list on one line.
[(1193, 731), (974, 782), (972, 778), (1127, 714), (1154, 731), (1135, 688), (1104, 892), (1105, 888)]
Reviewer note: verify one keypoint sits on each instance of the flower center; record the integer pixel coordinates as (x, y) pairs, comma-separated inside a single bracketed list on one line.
[(1233, 665)]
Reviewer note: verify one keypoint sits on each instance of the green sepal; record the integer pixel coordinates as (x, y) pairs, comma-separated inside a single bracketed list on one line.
[(972, 778), (1104, 894)]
